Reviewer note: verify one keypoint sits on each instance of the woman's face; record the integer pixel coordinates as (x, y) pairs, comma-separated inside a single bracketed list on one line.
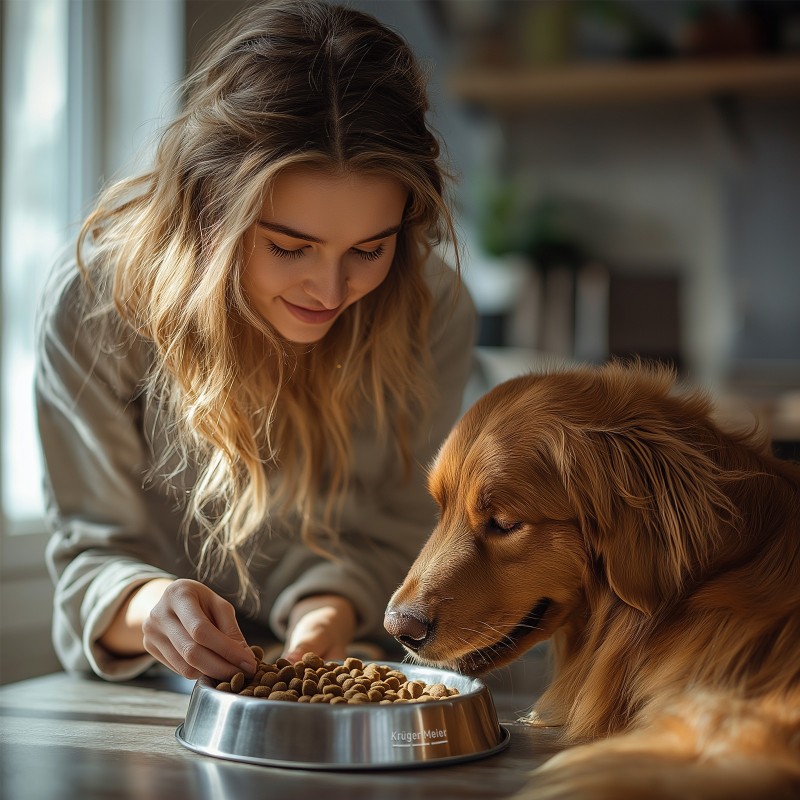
[(321, 243)]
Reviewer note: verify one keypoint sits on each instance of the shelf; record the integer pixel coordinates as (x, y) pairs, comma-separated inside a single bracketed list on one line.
[(510, 88)]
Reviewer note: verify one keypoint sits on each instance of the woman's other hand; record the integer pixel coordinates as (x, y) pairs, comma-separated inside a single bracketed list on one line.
[(322, 624), (194, 632)]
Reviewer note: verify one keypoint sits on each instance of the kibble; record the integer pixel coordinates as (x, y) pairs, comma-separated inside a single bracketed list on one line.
[(314, 680)]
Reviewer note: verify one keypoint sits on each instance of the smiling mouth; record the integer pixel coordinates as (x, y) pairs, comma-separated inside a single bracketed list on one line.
[(484, 659), (310, 315)]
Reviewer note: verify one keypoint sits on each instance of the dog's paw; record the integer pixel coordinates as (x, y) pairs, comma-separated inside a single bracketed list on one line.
[(536, 720)]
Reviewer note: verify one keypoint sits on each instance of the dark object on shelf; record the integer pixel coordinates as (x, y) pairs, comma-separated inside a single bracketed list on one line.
[(644, 317), (491, 330), (788, 450)]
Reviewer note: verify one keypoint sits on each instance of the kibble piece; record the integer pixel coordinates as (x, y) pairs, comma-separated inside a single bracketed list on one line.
[(257, 651), (333, 689), (248, 691), (336, 700), (375, 695), (269, 679), (304, 698), (313, 661), (353, 663), (437, 690), (321, 698), (309, 687), (237, 682), (282, 662), (283, 696), (224, 686), (296, 684), (262, 691), (414, 688), (280, 686), (392, 682), (286, 673)]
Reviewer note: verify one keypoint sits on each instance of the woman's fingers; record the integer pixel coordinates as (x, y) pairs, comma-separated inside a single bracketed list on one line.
[(169, 656), (181, 633), (321, 624), (225, 636), (315, 645)]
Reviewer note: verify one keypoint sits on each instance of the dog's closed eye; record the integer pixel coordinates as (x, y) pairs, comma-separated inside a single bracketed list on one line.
[(495, 525)]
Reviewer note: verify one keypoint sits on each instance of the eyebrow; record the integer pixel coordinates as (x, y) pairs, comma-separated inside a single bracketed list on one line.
[(295, 234)]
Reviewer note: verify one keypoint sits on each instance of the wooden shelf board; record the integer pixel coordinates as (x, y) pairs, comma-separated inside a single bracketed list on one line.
[(528, 87)]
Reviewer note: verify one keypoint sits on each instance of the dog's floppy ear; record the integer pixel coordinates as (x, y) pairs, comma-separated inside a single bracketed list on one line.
[(649, 506)]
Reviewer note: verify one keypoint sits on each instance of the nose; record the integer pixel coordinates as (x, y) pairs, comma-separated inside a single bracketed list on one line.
[(327, 285), (411, 628)]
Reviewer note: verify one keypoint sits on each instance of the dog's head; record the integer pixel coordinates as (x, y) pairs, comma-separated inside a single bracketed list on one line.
[(549, 484)]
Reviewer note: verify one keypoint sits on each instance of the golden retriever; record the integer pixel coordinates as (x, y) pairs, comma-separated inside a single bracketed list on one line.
[(607, 511)]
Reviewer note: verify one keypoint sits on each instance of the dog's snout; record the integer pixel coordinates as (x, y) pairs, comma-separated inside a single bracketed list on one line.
[(409, 627)]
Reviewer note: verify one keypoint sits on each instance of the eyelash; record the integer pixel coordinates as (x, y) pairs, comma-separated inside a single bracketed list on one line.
[(367, 255)]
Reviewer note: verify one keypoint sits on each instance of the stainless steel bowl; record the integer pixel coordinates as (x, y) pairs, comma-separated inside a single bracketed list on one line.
[(366, 736)]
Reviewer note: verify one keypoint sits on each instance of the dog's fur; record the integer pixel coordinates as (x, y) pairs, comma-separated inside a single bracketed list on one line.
[(603, 509)]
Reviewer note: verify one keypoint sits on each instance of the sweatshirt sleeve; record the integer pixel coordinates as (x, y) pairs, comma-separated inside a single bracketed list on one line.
[(386, 518), (89, 424)]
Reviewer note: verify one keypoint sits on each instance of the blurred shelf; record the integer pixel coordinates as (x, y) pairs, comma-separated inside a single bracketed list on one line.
[(510, 88)]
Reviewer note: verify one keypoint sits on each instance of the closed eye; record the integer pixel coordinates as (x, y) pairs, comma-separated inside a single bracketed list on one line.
[(282, 252), (370, 255), (494, 525)]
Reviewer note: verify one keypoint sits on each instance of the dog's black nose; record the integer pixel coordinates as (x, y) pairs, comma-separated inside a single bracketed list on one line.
[(410, 628)]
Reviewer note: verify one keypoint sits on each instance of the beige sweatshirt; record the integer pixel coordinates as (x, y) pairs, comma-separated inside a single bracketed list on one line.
[(115, 527)]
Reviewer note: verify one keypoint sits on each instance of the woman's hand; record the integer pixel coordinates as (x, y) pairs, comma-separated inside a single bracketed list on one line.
[(323, 624), (194, 632)]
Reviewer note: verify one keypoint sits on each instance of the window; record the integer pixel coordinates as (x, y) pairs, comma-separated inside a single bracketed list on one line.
[(84, 87), (35, 222)]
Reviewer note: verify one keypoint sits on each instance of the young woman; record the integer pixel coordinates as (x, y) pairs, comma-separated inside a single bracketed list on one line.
[(243, 377)]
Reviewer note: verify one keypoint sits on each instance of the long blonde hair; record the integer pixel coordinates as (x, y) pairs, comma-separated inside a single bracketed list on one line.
[(287, 83)]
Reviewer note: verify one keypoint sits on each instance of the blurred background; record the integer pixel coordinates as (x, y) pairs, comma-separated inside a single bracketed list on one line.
[(628, 184)]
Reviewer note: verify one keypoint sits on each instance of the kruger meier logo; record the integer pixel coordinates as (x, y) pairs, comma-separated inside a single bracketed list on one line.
[(419, 738)]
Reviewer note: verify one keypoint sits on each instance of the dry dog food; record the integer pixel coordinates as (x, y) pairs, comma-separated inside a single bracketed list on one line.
[(314, 680)]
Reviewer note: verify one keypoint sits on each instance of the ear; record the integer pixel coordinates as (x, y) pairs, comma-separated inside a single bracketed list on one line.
[(649, 505)]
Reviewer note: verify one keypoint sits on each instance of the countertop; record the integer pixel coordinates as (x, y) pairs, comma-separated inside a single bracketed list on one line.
[(67, 736)]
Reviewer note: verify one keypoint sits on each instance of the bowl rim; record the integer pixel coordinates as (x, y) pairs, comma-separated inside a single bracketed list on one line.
[(477, 686)]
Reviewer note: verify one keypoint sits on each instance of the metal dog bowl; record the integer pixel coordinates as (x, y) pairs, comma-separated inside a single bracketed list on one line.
[(365, 736)]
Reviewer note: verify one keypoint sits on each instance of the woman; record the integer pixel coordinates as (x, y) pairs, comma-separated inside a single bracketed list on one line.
[(241, 383)]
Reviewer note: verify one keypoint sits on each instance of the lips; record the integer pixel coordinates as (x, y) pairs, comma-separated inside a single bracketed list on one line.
[(481, 660), (310, 315)]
